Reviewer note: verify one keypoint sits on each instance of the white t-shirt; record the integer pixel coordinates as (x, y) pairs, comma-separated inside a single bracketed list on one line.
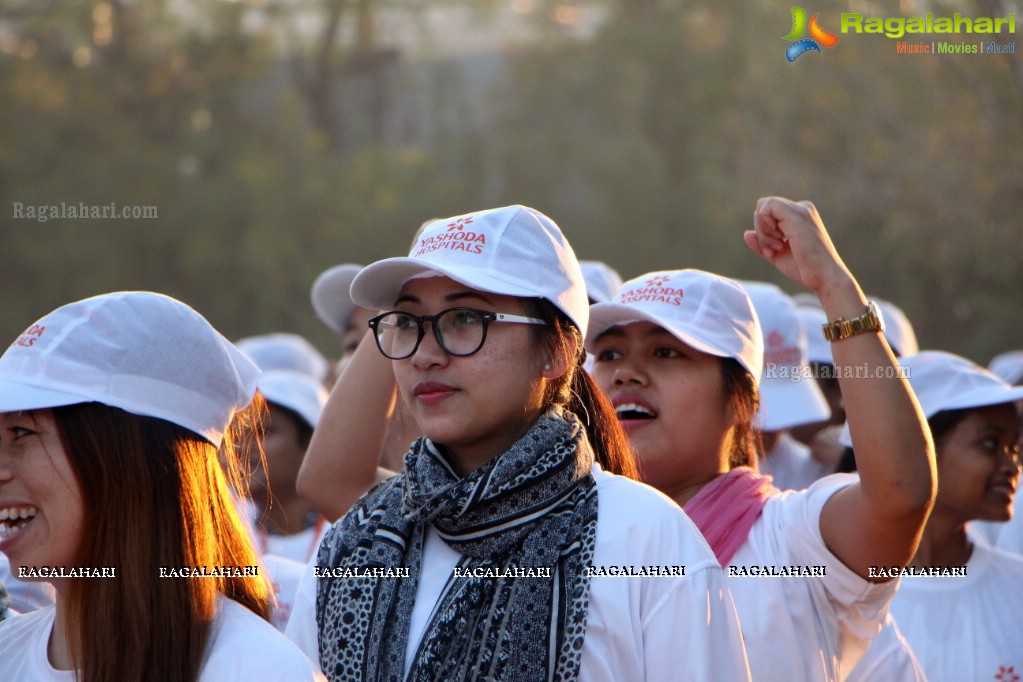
[(803, 628), (889, 658), (791, 465), (300, 546), (968, 627), (985, 532), (637, 628), (244, 647), (284, 575), (1010, 536), (1005, 535)]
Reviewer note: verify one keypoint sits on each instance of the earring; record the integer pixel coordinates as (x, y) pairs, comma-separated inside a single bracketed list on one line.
[(547, 367)]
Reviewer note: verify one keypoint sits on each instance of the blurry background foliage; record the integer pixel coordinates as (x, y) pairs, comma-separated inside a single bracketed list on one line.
[(279, 137)]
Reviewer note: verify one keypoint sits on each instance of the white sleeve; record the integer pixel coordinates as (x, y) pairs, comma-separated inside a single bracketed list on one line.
[(1010, 536), (301, 627), (889, 658), (697, 616), (245, 647), (860, 605)]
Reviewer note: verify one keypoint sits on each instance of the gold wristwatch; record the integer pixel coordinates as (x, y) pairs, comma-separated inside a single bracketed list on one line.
[(870, 321)]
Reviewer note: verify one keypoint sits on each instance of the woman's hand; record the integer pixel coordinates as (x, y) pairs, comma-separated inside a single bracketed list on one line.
[(791, 236)]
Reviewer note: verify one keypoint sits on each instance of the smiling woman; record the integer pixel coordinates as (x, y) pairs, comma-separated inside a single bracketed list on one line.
[(959, 604), (110, 424), (45, 474)]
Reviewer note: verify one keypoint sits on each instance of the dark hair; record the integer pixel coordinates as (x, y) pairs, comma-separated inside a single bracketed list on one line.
[(942, 423), (577, 392), (155, 496), (743, 399), (304, 430), (847, 463)]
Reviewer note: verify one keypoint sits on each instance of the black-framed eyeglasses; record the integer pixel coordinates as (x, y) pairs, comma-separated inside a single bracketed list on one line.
[(459, 331)]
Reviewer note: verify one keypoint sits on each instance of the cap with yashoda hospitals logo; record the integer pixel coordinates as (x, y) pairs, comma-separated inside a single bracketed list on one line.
[(513, 251), (713, 314), (138, 351)]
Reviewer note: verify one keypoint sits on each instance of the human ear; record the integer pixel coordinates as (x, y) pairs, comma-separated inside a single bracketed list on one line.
[(560, 359)]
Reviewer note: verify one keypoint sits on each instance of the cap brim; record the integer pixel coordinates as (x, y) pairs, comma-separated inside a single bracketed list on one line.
[(280, 389), (377, 286), (983, 397), (603, 316), (784, 404), (16, 397)]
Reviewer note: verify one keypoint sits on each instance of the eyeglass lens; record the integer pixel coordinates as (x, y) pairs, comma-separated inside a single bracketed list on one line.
[(459, 331)]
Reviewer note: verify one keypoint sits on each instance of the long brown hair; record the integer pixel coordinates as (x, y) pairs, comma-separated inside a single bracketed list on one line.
[(155, 497), (579, 394)]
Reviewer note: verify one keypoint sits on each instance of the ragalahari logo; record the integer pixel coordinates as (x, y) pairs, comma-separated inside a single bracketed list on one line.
[(818, 36)]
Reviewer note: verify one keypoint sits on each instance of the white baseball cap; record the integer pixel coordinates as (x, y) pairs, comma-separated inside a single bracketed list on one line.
[(298, 392), (789, 396), (818, 349), (142, 352), (332, 298), (1009, 366), (713, 314), (514, 251), (602, 281), (285, 351), (943, 381), (897, 328)]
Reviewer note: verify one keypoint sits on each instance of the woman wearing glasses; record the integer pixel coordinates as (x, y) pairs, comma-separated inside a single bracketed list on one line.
[(505, 549)]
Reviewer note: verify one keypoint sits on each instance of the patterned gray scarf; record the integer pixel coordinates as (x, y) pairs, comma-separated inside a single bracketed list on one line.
[(534, 506)]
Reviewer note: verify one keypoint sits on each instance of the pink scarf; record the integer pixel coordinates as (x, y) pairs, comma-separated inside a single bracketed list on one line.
[(726, 508)]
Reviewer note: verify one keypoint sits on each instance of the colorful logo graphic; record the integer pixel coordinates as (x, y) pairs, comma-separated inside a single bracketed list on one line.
[(818, 36)]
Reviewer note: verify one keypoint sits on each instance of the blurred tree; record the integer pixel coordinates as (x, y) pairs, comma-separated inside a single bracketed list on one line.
[(137, 104), (278, 138), (915, 164)]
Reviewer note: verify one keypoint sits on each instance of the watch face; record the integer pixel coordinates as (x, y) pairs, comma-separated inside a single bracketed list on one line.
[(872, 307)]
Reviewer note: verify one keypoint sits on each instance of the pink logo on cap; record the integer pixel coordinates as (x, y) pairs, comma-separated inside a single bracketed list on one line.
[(1007, 674), (460, 223), (455, 238), (778, 353), (31, 335), (653, 290)]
